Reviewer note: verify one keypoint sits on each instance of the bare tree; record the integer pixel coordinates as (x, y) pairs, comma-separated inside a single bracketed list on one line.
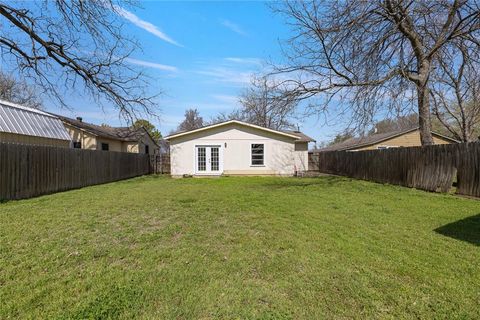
[(394, 124), (192, 121), (341, 137), (263, 105), (372, 54), (69, 45), (456, 93), (226, 116), (18, 92)]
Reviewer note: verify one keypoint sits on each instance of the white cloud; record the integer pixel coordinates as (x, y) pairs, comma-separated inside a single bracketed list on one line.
[(145, 25), (225, 98), (252, 61), (154, 65), (227, 75), (233, 27)]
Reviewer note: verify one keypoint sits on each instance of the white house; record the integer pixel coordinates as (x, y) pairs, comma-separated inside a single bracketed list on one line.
[(238, 148)]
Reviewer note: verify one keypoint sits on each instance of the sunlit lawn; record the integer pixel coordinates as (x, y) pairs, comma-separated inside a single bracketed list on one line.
[(246, 248)]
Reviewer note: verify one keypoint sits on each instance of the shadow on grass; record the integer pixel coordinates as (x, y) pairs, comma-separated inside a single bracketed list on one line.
[(467, 229)]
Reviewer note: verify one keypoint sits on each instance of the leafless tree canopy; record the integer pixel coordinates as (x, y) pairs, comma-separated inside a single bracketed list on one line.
[(395, 124), (263, 104), (456, 93), (19, 92), (371, 55), (70, 44), (192, 121)]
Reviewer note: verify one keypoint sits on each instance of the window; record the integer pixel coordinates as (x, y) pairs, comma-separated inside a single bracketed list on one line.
[(77, 144), (214, 159), (202, 159), (104, 146), (147, 149), (257, 154)]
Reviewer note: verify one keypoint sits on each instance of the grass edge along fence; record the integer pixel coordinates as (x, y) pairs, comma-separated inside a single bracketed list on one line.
[(431, 168), (28, 170)]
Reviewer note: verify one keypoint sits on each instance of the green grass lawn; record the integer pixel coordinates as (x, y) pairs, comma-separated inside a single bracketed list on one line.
[(246, 248)]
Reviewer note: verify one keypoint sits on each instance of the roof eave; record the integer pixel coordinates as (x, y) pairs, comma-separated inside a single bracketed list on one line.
[(174, 136)]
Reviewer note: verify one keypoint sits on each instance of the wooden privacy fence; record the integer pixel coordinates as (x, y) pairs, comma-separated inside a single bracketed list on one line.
[(160, 163), (432, 168), (27, 170)]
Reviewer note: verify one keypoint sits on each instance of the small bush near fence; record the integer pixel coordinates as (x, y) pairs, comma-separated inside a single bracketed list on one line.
[(432, 168), (27, 170)]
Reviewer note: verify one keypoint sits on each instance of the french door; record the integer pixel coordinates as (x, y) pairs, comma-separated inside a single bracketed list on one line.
[(208, 160)]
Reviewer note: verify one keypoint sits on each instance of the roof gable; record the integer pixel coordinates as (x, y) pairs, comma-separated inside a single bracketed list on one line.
[(241, 123)]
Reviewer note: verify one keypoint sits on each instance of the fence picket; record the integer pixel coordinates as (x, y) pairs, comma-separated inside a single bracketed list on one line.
[(27, 171), (431, 168)]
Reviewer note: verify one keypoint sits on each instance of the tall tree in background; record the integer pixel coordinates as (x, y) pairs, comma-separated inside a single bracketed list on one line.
[(372, 54), (341, 137), (456, 93), (192, 121), (395, 124), (18, 92), (262, 104), (74, 45), (151, 129)]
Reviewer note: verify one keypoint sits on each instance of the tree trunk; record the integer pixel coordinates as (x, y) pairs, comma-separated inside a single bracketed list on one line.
[(424, 122)]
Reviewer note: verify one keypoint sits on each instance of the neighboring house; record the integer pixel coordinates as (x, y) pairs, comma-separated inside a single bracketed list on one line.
[(19, 124), (238, 148), (121, 139), (164, 146), (395, 139)]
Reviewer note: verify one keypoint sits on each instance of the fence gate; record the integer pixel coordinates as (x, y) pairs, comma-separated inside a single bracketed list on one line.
[(160, 163)]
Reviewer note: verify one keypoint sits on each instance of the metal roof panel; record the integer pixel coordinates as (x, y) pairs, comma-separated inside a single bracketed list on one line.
[(27, 121)]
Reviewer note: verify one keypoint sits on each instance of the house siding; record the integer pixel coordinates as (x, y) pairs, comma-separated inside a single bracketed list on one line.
[(91, 142), (88, 140), (411, 139), (281, 156), (25, 139), (152, 146)]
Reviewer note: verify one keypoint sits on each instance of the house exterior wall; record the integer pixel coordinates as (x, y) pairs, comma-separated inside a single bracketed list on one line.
[(24, 139), (280, 155), (131, 147), (301, 156), (88, 140), (152, 146), (92, 142), (411, 139), (113, 145)]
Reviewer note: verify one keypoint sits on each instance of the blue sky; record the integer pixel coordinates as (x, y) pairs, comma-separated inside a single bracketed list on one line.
[(201, 55)]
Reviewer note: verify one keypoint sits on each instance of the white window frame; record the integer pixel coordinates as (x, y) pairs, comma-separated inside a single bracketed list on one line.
[(264, 155)]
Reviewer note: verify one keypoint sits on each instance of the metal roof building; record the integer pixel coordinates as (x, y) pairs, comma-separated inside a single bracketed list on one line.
[(26, 125)]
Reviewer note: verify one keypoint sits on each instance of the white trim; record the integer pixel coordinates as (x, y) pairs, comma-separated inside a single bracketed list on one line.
[(173, 136), (208, 171)]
